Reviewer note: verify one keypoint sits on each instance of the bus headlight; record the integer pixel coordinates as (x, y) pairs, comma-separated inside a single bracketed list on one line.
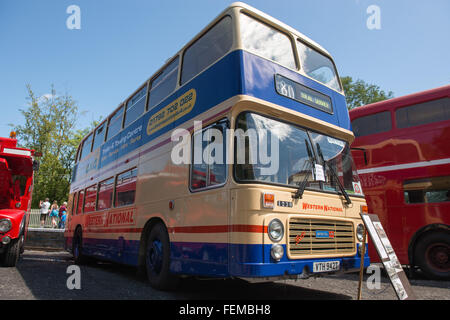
[(277, 252), (360, 232), (5, 225), (275, 230)]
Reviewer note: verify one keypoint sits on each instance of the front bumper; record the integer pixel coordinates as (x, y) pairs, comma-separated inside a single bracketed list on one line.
[(295, 268)]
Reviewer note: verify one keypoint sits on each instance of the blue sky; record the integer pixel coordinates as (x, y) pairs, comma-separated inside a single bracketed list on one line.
[(122, 43)]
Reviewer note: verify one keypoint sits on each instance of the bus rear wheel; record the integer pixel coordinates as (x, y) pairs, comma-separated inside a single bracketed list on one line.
[(157, 259), (433, 255)]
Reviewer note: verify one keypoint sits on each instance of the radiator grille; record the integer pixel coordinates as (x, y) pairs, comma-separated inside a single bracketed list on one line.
[(303, 240)]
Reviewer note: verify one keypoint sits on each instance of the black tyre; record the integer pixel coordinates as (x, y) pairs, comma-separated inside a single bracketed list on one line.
[(432, 255), (11, 254), (22, 243), (157, 259), (77, 247), (22, 235)]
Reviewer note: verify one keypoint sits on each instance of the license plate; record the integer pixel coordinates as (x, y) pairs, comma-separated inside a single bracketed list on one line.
[(326, 266)]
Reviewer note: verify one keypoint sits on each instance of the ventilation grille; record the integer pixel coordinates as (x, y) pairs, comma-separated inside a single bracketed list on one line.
[(320, 237)]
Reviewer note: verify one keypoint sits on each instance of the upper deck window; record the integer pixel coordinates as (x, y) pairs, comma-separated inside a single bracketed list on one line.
[(135, 106), (99, 136), (207, 49), (266, 41), (86, 149), (372, 124), (163, 84), (115, 123), (423, 113), (318, 66)]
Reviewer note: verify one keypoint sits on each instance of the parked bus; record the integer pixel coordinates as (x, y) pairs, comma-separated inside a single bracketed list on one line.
[(290, 212), (402, 154), (16, 186)]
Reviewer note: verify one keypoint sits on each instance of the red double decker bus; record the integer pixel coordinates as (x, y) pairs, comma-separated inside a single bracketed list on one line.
[(402, 154), (16, 186)]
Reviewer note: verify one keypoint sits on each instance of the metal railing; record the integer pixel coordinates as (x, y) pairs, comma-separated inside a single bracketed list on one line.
[(35, 219)]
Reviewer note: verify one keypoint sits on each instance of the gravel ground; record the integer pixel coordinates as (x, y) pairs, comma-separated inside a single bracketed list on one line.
[(43, 275)]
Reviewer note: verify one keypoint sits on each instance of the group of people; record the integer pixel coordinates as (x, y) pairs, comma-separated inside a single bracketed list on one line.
[(58, 214)]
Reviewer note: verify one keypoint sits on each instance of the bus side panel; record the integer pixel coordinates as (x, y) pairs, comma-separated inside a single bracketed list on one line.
[(199, 229), (117, 249)]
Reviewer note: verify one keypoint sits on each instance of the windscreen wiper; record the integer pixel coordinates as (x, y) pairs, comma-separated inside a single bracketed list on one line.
[(301, 186), (335, 176)]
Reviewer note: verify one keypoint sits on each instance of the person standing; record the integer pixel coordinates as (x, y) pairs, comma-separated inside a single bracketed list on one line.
[(54, 211), (62, 209), (45, 208), (62, 222)]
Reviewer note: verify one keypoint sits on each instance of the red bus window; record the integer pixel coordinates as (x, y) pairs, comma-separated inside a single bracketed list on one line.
[(80, 202), (90, 198), (372, 124), (126, 188), (423, 113), (105, 194), (429, 190)]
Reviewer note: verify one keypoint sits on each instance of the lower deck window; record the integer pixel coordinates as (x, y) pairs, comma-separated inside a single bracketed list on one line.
[(126, 188), (211, 169), (80, 202), (105, 194), (90, 198), (428, 190)]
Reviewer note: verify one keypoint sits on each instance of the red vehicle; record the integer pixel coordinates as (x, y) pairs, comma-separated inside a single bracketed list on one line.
[(16, 184), (402, 154)]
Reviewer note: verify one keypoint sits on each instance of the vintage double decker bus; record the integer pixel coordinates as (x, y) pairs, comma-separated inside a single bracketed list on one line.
[(232, 160), (16, 186), (402, 154)]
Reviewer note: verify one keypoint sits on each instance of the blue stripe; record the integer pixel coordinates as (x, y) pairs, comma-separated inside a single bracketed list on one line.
[(213, 259)]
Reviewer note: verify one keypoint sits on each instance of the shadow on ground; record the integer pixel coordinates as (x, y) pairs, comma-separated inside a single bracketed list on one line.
[(45, 276)]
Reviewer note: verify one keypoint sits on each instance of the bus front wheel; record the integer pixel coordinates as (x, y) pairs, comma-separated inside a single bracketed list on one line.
[(77, 246), (157, 259), (11, 254), (433, 255)]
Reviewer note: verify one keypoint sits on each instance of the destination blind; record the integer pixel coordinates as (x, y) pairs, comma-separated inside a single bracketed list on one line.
[(300, 93)]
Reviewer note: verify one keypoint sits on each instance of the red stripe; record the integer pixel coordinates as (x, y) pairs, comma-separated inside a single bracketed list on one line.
[(116, 230), (219, 229), (191, 229)]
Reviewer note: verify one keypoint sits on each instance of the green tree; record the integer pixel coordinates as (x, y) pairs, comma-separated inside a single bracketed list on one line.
[(359, 93), (49, 128)]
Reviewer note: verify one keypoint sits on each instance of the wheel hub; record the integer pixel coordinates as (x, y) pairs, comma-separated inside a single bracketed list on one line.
[(438, 256), (155, 256)]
